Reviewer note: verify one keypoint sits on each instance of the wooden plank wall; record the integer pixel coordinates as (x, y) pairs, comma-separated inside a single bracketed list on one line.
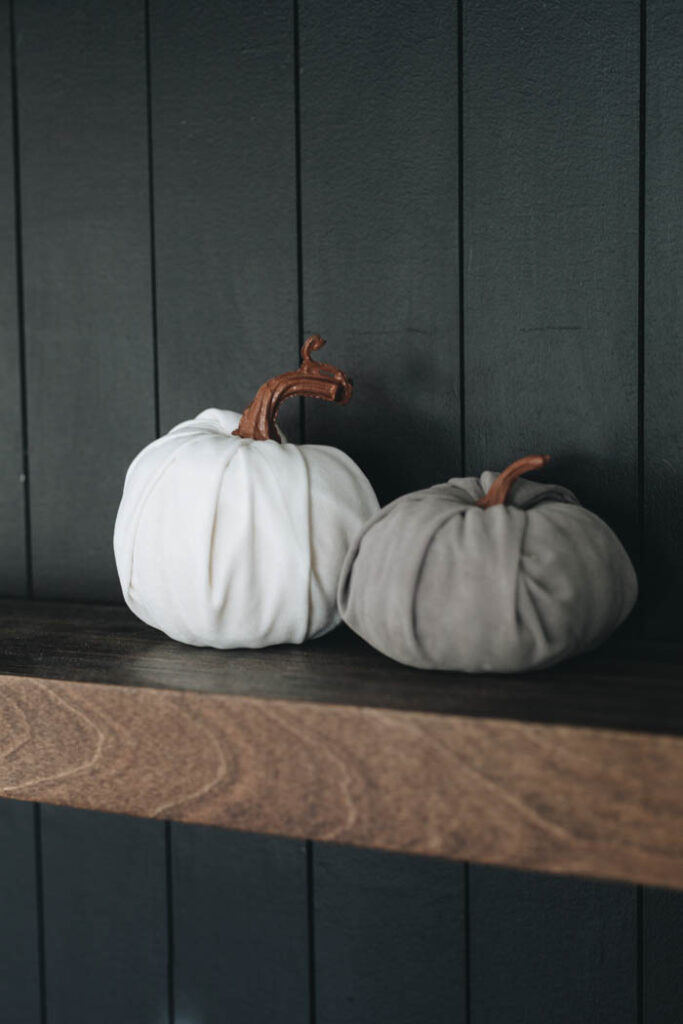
[(559, 949), (14, 568), (662, 159), (225, 215), (479, 205), (550, 224), (379, 230), (111, 918), (21, 947), (82, 144), (240, 927), (389, 940), (105, 917)]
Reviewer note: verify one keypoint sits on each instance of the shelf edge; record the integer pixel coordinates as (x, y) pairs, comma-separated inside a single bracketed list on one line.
[(554, 798)]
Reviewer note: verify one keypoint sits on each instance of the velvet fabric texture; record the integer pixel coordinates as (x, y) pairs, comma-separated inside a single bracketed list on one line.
[(224, 541), (436, 582)]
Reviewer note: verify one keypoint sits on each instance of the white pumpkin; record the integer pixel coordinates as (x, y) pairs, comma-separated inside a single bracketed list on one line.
[(228, 536)]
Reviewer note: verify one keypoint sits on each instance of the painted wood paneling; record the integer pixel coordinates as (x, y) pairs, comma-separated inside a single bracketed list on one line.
[(379, 191), (662, 956), (105, 918), (20, 976), (389, 938), (84, 181), (225, 202), (663, 319), (551, 354), (13, 574), (240, 926), (548, 949), (550, 239), (550, 185)]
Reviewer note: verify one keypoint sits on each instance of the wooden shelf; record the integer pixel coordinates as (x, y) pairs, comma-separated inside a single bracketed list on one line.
[(574, 770)]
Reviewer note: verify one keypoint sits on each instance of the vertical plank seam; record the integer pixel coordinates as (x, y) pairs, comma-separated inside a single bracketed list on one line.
[(310, 906), (640, 979), (461, 239), (299, 212), (152, 218), (170, 922), (466, 945), (40, 911), (21, 310), (642, 127)]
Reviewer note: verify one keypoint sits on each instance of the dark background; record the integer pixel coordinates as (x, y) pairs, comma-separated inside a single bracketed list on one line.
[(479, 205)]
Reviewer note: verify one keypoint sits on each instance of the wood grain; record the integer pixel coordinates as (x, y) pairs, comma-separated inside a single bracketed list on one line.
[(550, 798), (13, 569), (636, 689)]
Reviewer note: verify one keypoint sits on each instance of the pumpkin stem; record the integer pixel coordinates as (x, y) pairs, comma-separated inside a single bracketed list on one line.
[(312, 380), (500, 488)]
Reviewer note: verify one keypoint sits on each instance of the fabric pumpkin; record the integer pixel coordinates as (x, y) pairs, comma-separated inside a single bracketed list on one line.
[(228, 536), (486, 574)]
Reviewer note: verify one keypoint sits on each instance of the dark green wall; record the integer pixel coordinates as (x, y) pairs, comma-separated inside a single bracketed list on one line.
[(113, 919), (479, 205)]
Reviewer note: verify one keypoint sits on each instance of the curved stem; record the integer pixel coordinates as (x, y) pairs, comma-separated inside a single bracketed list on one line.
[(311, 380), (500, 488)]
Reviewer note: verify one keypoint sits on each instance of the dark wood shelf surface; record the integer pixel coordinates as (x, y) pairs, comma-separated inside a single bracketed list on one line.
[(620, 687), (576, 770)]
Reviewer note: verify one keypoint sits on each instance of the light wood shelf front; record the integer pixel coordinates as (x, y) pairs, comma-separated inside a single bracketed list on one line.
[(576, 770)]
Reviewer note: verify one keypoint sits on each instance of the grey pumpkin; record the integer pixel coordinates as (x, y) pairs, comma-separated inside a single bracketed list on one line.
[(486, 574)]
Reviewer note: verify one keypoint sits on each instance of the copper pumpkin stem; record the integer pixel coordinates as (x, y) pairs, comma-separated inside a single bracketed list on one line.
[(312, 380), (500, 488)]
